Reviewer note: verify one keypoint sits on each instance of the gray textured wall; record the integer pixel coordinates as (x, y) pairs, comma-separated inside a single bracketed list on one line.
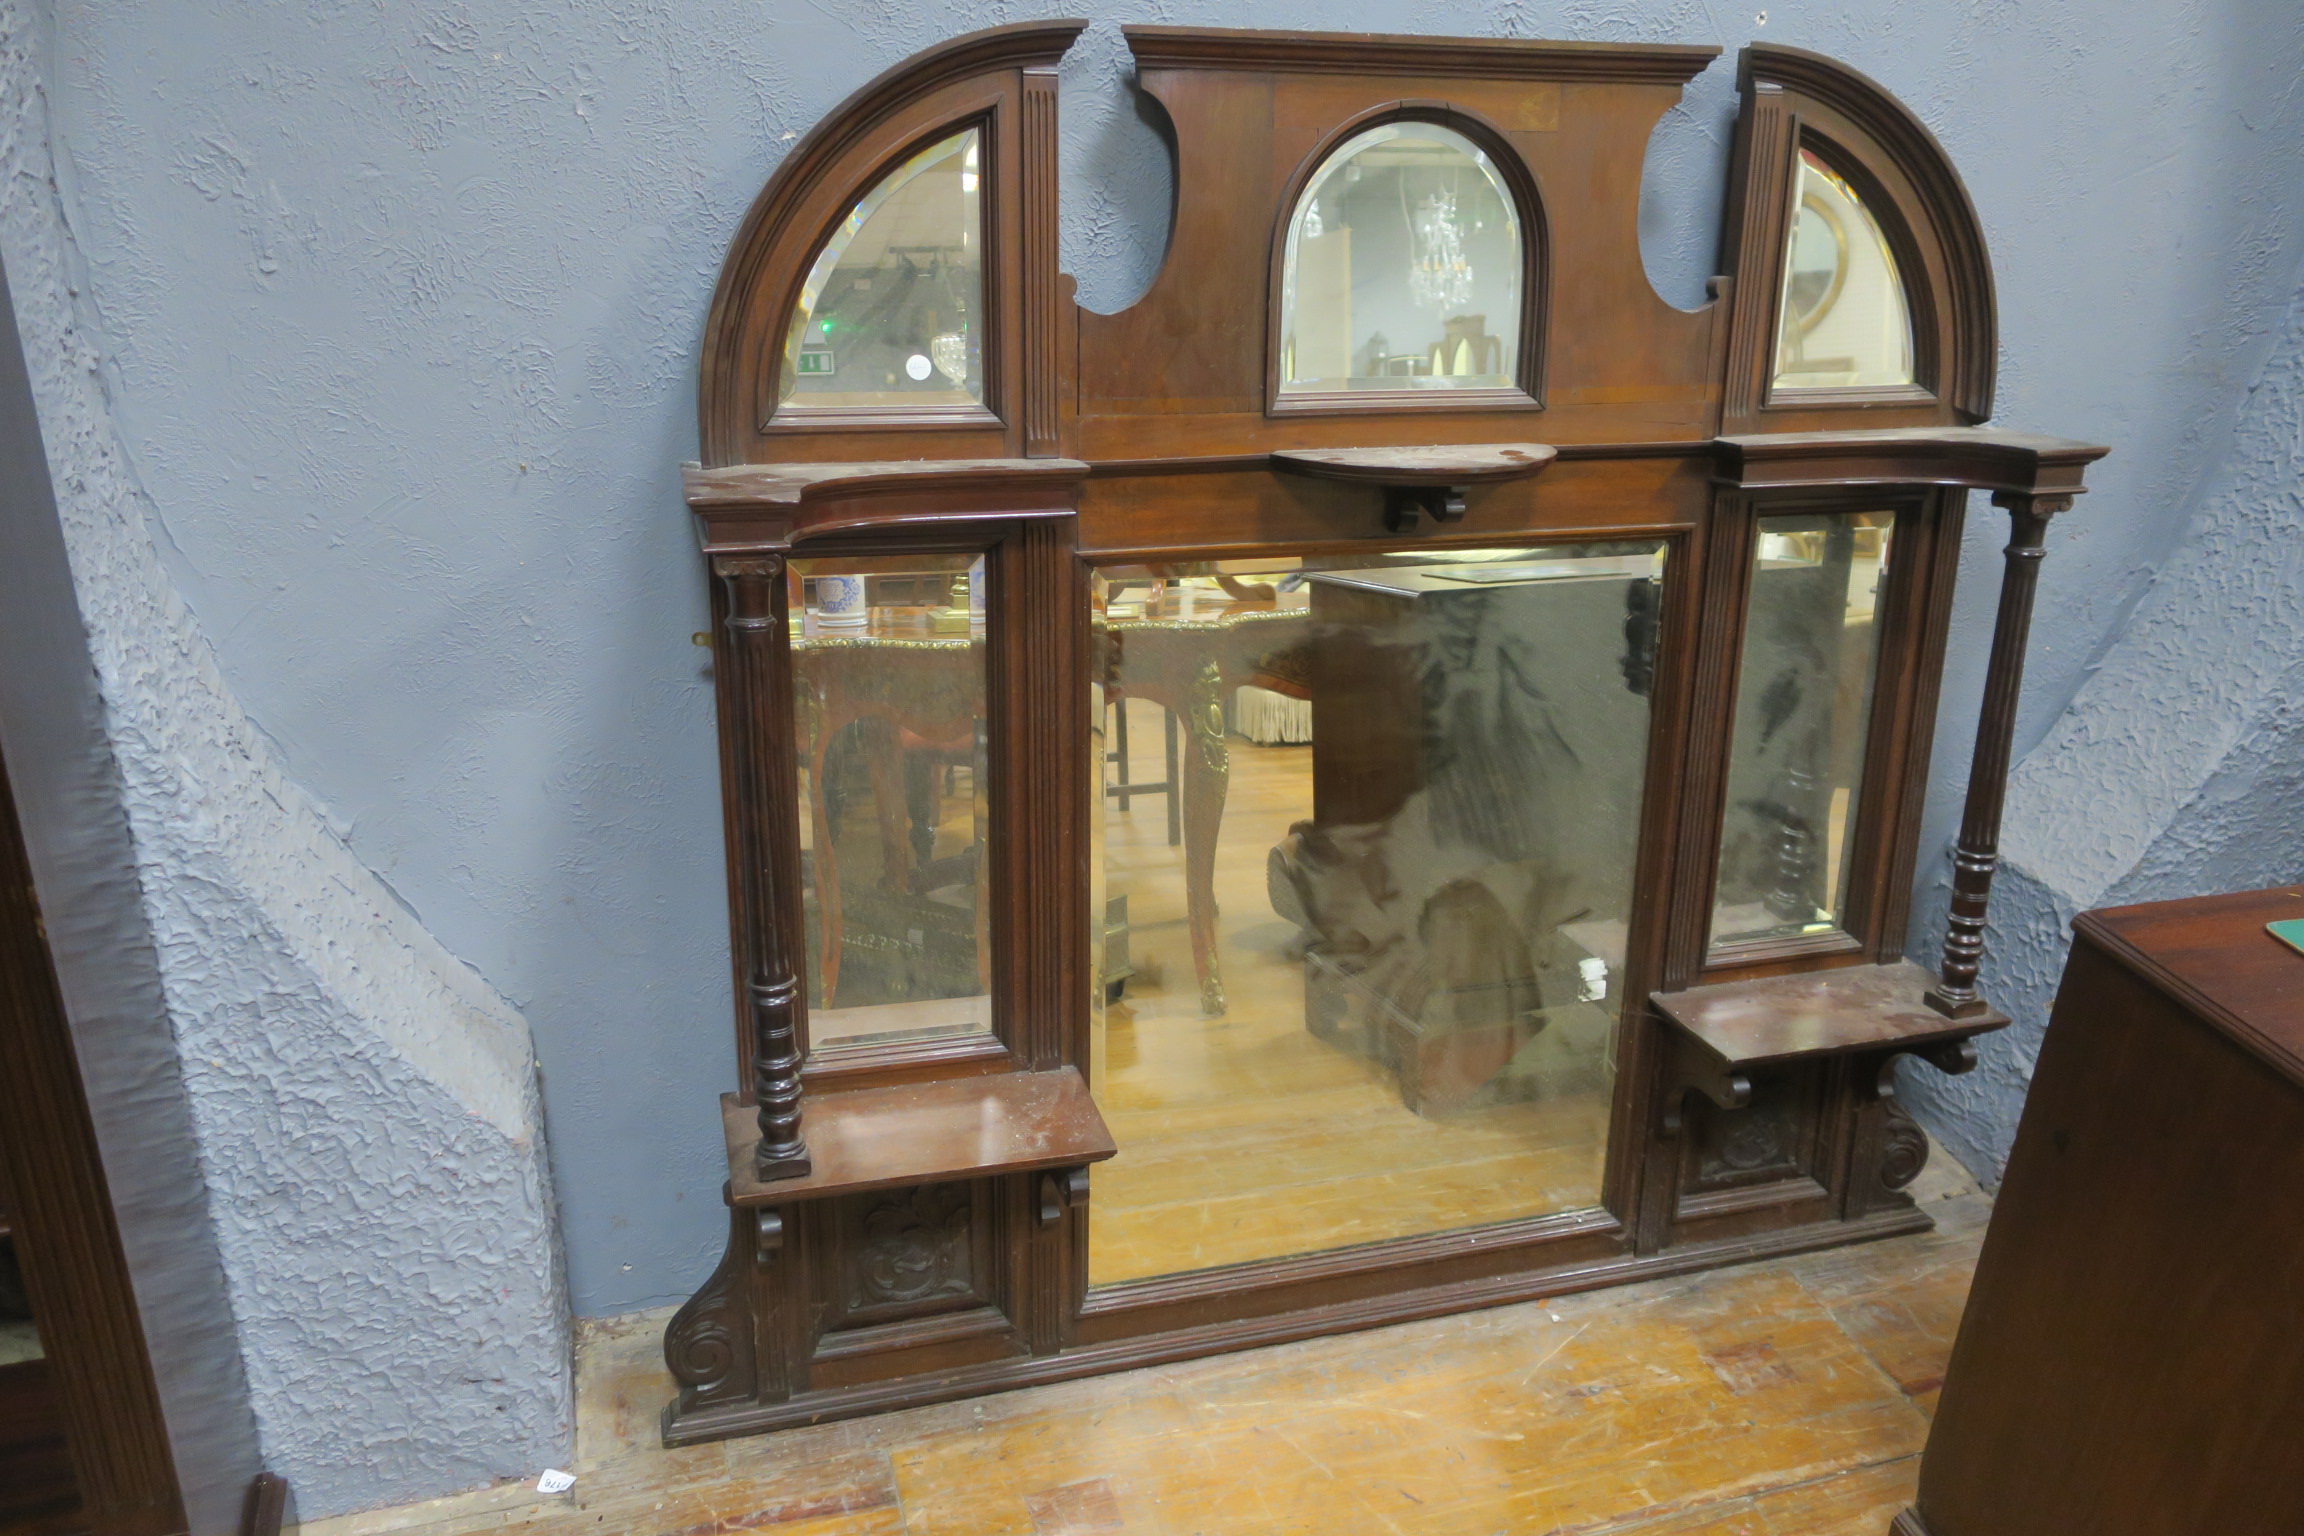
[(365, 1106), (396, 311), (2178, 768)]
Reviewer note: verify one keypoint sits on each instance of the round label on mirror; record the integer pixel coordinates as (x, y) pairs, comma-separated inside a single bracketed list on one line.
[(917, 365)]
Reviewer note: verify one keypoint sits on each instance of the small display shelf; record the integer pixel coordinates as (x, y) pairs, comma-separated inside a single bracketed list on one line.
[(925, 1133), (1428, 481), (1732, 1028)]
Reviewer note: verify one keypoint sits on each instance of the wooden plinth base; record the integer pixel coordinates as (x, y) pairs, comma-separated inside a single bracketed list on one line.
[(728, 1419)]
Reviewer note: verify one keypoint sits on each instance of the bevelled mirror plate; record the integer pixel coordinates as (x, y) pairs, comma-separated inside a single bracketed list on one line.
[(891, 314), (1843, 321), (1363, 879), (889, 712), (1402, 268), (1803, 713)]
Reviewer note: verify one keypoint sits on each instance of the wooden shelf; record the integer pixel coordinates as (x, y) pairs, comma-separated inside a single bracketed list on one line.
[(1440, 464), (1738, 1025), (748, 508), (923, 1133), (1426, 481)]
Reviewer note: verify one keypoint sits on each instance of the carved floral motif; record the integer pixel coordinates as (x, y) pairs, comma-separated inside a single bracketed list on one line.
[(912, 1245)]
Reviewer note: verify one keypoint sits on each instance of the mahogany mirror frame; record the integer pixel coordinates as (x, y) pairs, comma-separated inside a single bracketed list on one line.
[(1157, 434)]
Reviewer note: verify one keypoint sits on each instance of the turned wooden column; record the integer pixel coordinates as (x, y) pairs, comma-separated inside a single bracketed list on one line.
[(1978, 853), (758, 652)]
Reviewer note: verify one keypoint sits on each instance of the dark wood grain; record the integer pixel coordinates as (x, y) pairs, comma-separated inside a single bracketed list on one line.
[(2129, 1361)]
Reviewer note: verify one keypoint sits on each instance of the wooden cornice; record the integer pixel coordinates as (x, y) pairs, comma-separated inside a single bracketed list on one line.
[(1377, 53), (1977, 458), (767, 507)]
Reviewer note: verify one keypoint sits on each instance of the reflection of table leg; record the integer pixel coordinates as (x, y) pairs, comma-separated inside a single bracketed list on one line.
[(1207, 780), (824, 863), (1204, 779)]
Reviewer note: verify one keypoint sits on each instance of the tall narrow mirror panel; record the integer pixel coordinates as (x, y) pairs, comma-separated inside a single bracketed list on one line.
[(1803, 708), (888, 704), (891, 314), (1843, 322), (1366, 853), (1402, 268)]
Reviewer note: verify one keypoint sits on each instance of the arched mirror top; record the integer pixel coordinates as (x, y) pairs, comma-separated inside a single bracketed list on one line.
[(1862, 281), (1843, 320), (892, 311), (1404, 268), (890, 294)]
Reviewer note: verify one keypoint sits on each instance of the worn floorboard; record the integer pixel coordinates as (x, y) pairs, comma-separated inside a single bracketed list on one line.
[(1789, 1398)]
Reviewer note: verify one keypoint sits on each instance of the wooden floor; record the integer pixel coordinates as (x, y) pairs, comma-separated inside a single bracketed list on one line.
[(1789, 1398), (1242, 1136)]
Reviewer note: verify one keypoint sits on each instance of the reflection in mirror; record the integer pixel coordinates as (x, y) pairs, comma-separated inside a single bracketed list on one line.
[(1843, 320), (1364, 869), (892, 311), (1803, 709), (1402, 269), (888, 704)]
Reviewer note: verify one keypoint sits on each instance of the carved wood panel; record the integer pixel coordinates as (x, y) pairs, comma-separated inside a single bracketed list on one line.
[(907, 1252), (1769, 1140)]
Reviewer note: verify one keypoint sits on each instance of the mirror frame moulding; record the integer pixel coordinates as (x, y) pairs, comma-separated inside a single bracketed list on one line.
[(1527, 390), (1002, 80), (781, 417), (1871, 930), (1919, 307), (1794, 99)]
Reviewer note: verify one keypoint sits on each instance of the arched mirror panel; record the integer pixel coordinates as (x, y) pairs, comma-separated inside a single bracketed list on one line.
[(892, 311), (1404, 268), (1843, 321)]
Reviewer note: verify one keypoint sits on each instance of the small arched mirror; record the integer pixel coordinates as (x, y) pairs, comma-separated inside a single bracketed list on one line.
[(892, 312), (1402, 269), (1843, 321)]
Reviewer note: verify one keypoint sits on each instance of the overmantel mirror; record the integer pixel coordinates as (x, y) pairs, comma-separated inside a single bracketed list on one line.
[(1402, 791)]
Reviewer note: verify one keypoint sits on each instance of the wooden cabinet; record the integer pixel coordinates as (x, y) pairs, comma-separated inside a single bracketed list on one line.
[(1558, 938), (2131, 1361)]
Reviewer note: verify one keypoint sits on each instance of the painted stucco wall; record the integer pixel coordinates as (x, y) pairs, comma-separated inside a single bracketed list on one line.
[(396, 306), (365, 1105)]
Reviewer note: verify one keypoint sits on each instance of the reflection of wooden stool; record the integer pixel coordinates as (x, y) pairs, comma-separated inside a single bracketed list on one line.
[(1122, 788)]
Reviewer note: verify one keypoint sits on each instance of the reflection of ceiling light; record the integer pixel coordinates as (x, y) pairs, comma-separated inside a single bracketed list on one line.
[(967, 181), (1441, 275), (949, 352)]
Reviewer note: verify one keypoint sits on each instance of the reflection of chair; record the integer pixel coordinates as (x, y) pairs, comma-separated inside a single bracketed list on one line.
[(1187, 667), (923, 697), (1124, 789)]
